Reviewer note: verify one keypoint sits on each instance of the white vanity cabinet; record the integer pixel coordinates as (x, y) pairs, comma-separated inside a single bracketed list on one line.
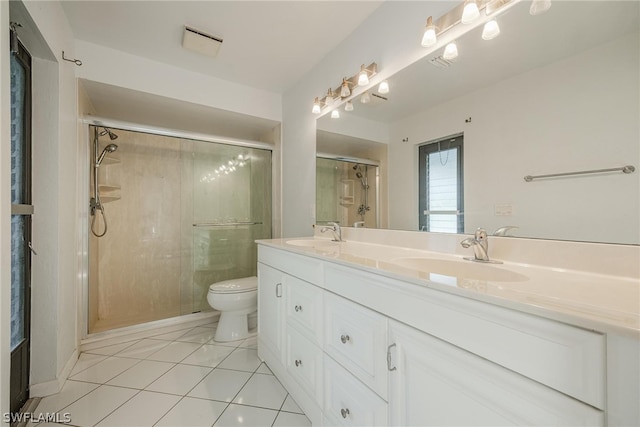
[(433, 383), (357, 348)]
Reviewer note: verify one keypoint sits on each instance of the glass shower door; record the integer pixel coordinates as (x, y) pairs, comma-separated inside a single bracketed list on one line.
[(230, 209)]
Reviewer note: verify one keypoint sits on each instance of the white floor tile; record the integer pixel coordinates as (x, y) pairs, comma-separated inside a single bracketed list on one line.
[(96, 405), (264, 391), (290, 405), (251, 342), (239, 415), (264, 369), (286, 419), (198, 335), (221, 385), (143, 410), (110, 350), (143, 348), (208, 355), (174, 352), (171, 336), (104, 371), (71, 391), (190, 412), (141, 375), (180, 379), (85, 361), (242, 359)]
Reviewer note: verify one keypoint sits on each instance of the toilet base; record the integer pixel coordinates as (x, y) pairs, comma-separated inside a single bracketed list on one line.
[(232, 327)]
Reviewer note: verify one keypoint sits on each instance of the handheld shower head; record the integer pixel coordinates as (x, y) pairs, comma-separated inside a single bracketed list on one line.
[(108, 149), (108, 131)]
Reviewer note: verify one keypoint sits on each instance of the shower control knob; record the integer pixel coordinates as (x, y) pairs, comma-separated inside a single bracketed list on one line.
[(298, 308), (298, 362), (344, 412), (344, 338)]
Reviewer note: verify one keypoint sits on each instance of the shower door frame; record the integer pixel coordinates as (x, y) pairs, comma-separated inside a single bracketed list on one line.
[(83, 203)]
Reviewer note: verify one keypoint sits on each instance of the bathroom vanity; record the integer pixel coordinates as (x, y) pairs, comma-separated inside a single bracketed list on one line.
[(370, 334)]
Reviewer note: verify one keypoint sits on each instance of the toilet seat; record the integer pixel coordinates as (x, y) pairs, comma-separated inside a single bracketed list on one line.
[(235, 286)]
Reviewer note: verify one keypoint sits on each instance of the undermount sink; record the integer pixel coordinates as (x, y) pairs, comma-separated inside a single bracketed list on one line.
[(461, 269), (312, 243)]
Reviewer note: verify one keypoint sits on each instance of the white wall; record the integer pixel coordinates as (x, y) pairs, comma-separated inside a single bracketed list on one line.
[(563, 117), (117, 68)]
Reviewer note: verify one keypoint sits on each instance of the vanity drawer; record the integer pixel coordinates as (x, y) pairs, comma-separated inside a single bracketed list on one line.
[(304, 308), (356, 337), (563, 357), (306, 268), (348, 402), (303, 360)]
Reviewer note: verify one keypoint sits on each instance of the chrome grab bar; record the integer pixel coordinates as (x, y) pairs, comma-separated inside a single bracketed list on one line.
[(623, 169), (223, 224)]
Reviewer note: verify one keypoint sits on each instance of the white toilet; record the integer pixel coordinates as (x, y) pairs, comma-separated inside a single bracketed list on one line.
[(235, 299)]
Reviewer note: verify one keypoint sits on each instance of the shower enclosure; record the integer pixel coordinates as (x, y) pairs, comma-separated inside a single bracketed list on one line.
[(182, 214), (347, 192)]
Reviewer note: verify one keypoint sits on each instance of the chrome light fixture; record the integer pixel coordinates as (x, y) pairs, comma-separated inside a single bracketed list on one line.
[(491, 30), (383, 87), (539, 7), (470, 12), (316, 106), (451, 51), (363, 77), (329, 98), (429, 37), (348, 106), (344, 90), (335, 114), (365, 98)]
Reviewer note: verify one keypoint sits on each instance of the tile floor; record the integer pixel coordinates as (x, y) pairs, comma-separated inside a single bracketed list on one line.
[(178, 379)]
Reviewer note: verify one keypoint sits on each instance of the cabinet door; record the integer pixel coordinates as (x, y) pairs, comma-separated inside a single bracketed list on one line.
[(270, 317), (433, 383)]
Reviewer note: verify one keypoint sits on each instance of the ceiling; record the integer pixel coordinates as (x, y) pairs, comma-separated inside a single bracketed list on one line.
[(268, 45)]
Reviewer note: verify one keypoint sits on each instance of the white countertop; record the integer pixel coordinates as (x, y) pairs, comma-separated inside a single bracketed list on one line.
[(604, 303)]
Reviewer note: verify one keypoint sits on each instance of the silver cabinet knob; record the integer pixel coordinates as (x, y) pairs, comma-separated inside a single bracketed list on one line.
[(344, 338), (298, 308), (344, 412), (298, 362)]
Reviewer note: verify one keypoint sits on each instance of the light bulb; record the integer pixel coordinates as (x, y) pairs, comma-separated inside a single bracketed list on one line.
[(539, 6), (450, 52), (383, 87), (491, 30), (429, 37), (470, 12), (329, 99), (335, 114), (316, 106), (363, 77), (348, 106), (365, 98), (344, 90)]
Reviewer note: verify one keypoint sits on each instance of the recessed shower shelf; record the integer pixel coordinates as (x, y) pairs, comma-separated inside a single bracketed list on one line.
[(107, 199), (107, 187)]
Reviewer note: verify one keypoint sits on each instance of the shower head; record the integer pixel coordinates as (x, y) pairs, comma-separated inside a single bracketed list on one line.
[(359, 175), (108, 131), (108, 149)]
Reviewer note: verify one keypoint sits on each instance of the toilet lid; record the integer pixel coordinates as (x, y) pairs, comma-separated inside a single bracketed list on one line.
[(235, 286)]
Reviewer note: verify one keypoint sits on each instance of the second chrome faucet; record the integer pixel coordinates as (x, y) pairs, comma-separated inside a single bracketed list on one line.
[(480, 245), (335, 229)]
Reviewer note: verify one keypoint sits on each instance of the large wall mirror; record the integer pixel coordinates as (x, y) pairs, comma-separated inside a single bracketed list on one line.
[(554, 93)]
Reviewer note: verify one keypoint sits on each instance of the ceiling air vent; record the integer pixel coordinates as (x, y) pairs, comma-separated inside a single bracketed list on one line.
[(200, 42), (440, 62)]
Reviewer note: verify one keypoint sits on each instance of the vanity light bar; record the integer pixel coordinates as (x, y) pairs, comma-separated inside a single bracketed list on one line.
[(351, 82)]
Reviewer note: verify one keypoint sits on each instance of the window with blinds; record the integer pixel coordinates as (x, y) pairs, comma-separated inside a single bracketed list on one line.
[(440, 189)]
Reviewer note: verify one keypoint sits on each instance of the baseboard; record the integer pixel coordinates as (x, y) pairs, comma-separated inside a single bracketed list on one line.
[(147, 329), (54, 386)]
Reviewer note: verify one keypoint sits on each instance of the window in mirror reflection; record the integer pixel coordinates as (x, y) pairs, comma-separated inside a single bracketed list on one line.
[(346, 193), (440, 189)]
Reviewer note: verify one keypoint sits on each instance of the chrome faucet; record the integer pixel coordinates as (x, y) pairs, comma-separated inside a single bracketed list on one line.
[(504, 231), (480, 244), (335, 229)]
